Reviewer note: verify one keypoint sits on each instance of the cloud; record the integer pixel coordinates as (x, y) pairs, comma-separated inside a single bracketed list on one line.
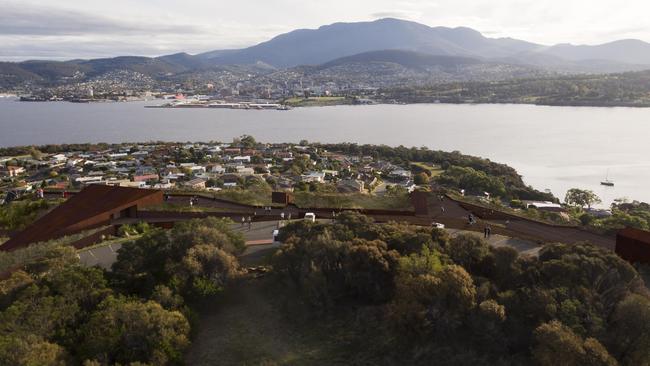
[(30, 20), (410, 15)]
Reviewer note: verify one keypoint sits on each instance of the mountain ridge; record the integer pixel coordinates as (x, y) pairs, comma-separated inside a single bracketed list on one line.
[(320, 46)]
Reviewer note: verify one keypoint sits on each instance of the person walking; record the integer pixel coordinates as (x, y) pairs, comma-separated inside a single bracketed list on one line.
[(243, 221), (191, 202), (489, 232), (250, 223), (442, 210), (485, 232), (282, 215)]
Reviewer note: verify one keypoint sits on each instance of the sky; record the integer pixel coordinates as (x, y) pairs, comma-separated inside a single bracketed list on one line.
[(68, 29)]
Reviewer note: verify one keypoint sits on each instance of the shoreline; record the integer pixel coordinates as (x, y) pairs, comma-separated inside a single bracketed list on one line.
[(13, 97)]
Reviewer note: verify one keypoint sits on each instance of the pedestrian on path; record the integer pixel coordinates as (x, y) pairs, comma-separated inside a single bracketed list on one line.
[(282, 215), (442, 209), (485, 232), (250, 223), (489, 232), (243, 221)]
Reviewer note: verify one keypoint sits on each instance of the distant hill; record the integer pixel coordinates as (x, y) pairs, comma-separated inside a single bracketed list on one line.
[(630, 51), (317, 46), (391, 68), (57, 71), (410, 59), (184, 61)]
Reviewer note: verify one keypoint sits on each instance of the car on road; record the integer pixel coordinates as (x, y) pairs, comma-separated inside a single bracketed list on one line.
[(438, 225)]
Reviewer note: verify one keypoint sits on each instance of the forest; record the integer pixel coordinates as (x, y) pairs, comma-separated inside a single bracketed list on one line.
[(631, 89), (402, 295)]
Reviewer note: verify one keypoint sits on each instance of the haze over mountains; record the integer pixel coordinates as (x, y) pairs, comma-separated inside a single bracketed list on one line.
[(357, 43)]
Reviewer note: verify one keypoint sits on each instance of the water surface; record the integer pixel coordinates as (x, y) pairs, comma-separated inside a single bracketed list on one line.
[(554, 148)]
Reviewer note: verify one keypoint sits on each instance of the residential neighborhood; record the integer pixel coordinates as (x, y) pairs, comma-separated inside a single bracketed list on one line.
[(201, 167)]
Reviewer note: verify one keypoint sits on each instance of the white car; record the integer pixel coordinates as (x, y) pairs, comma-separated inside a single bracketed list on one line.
[(310, 216), (438, 225)]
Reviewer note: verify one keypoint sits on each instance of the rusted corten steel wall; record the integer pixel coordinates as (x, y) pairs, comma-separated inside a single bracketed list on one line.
[(283, 198), (420, 201), (633, 245), (93, 207)]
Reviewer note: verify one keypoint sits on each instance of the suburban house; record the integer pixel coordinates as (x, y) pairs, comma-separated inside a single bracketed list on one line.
[(145, 178), (317, 177), (350, 186), (14, 171), (242, 159), (242, 170), (198, 183), (217, 169)]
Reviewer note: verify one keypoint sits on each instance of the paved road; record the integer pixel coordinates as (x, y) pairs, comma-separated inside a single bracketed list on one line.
[(260, 233), (455, 216), (525, 247)]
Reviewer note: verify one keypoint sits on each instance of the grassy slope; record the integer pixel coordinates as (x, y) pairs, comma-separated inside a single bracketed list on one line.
[(248, 327), (353, 200)]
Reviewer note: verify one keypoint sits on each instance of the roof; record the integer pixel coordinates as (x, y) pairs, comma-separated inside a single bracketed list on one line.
[(93, 201), (635, 234)]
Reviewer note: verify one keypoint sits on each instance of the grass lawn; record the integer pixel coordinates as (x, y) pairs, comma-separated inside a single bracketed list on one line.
[(257, 197), (316, 101), (352, 200), (112, 240), (183, 207)]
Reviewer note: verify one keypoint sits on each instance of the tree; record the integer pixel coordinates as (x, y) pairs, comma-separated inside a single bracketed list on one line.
[(558, 345), (630, 330), (581, 198), (370, 270), (35, 154), (30, 351), (248, 141), (421, 179), (468, 250), (125, 331), (208, 269)]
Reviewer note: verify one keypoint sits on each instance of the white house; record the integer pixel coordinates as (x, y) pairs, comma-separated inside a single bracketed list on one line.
[(242, 159), (317, 177)]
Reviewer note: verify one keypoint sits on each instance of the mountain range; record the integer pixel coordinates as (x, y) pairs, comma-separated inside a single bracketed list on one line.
[(361, 42)]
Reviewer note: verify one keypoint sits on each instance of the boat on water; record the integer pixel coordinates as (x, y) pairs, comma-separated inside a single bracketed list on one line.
[(607, 182)]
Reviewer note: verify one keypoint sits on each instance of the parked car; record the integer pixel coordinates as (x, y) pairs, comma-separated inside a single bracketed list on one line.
[(310, 216), (438, 225)]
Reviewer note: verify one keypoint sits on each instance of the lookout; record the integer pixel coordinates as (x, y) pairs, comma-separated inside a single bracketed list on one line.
[(95, 206)]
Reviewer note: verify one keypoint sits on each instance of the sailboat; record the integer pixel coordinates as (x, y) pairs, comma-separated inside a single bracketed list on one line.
[(607, 182)]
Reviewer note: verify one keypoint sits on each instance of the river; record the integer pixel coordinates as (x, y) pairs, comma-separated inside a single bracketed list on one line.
[(554, 148)]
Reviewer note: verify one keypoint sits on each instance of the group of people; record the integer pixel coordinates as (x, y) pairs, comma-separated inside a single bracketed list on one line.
[(245, 220), (487, 232), (194, 200)]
